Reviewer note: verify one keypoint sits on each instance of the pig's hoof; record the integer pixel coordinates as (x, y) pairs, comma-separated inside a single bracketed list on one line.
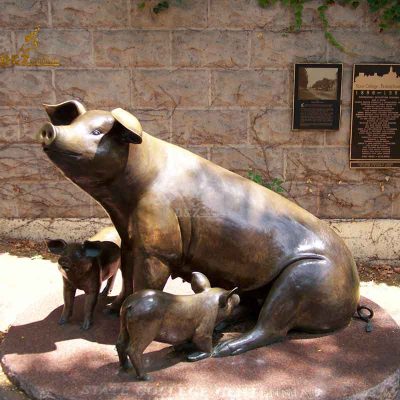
[(125, 367), (197, 356), (86, 325), (145, 377), (223, 350), (240, 350)]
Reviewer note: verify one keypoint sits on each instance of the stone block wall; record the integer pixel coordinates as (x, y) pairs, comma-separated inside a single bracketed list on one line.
[(214, 76)]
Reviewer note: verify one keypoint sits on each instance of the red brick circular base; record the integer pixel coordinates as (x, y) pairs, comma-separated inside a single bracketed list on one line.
[(53, 362)]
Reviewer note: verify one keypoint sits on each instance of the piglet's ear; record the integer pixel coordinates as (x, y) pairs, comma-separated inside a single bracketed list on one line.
[(92, 249), (56, 246), (64, 113), (199, 283), (223, 300), (126, 126)]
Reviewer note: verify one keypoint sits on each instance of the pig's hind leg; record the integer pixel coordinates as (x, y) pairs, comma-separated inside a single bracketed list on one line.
[(311, 295), (141, 335), (122, 348)]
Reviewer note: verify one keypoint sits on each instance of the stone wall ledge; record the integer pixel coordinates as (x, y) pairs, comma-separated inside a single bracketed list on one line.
[(372, 240)]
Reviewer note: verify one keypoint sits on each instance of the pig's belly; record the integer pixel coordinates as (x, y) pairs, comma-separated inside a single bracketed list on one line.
[(237, 232), (175, 331), (250, 256)]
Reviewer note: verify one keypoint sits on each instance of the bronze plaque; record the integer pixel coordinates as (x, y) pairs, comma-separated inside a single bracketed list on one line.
[(375, 120), (316, 97)]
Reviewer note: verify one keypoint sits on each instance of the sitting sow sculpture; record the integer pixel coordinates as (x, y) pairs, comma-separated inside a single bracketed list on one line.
[(85, 266), (177, 213), (149, 315)]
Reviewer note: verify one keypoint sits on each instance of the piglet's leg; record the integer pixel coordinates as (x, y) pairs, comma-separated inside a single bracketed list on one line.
[(69, 297), (90, 304), (204, 344), (142, 331), (122, 345), (137, 361), (109, 287), (203, 337)]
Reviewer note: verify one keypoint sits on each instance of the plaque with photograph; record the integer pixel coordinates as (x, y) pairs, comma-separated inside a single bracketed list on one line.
[(316, 97), (375, 120)]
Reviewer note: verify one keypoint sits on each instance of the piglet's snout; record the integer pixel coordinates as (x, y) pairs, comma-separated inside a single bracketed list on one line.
[(64, 262), (47, 134)]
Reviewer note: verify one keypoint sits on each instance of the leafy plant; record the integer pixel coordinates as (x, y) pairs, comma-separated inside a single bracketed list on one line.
[(388, 12), (325, 23), (275, 184), (255, 177), (162, 5)]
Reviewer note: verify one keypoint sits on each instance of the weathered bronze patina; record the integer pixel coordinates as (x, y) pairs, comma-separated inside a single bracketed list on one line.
[(177, 213), (85, 266), (150, 315)]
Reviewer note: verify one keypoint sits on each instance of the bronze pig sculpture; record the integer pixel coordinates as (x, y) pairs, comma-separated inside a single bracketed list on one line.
[(149, 315), (177, 213), (85, 266)]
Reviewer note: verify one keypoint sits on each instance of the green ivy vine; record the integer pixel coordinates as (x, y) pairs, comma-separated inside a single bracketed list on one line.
[(275, 184), (387, 11)]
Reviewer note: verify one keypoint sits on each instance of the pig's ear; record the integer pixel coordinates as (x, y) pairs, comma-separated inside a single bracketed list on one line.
[(64, 113), (126, 126), (92, 249), (56, 246), (199, 283), (223, 300)]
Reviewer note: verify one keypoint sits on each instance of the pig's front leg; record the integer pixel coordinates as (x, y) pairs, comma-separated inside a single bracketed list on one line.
[(204, 345), (90, 304), (154, 236), (127, 266), (69, 297), (151, 273), (140, 271), (203, 338)]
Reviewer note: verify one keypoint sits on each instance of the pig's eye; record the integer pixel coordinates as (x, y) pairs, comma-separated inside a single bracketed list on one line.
[(96, 132)]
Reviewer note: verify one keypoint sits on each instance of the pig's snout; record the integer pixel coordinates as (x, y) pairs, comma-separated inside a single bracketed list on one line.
[(64, 263), (47, 134)]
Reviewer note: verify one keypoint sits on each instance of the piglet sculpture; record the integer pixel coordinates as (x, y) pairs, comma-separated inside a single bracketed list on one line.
[(85, 266), (149, 315)]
